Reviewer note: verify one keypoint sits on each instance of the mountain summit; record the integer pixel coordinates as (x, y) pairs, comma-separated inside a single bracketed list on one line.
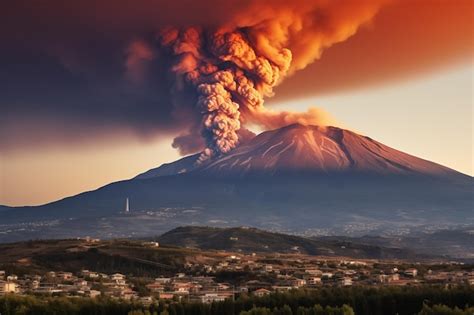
[(312, 149)]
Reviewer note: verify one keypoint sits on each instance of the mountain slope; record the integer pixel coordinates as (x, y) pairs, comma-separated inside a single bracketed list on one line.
[(183, 165), (322, 149), (309, 149)]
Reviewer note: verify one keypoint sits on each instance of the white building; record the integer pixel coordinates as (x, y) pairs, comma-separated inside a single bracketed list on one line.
[(411, 272), (117, 277), (314, 280), (8, 287), (346, 281)]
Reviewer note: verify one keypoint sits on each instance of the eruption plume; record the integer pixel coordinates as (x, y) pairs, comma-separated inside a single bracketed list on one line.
[(234, 66)]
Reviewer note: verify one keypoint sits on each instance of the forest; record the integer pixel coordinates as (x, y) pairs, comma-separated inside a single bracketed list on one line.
[(422, 300)]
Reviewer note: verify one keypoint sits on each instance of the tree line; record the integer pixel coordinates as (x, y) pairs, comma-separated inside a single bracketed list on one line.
[(422, 300)]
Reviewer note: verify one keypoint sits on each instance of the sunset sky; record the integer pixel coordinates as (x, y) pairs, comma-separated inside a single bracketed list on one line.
[(83, 101)]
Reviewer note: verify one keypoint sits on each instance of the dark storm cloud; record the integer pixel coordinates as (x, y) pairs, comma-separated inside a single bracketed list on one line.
[(36, 87)]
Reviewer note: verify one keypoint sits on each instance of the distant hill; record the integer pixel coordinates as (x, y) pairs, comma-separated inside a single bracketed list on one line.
[(457, 243), (255, 240)]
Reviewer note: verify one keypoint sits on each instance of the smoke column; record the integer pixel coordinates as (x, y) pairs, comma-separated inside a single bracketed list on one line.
[(233, 67)]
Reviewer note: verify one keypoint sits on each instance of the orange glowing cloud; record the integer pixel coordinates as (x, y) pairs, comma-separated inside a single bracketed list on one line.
[(405, 39), (271, 119)]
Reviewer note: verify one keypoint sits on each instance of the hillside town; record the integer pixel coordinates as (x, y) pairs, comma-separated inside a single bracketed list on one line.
[(235, 274)]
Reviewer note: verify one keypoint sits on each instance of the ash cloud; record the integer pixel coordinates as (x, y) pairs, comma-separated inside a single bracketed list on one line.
[(232, 67)]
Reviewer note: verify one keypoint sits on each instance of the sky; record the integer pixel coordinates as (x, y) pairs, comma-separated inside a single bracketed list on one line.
[(87, 103)]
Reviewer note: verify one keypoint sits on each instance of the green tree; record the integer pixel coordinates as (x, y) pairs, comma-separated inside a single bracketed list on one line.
[(445, 310)]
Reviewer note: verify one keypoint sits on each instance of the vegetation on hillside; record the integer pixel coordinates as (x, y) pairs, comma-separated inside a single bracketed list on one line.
[(125, 256), (255, 240)]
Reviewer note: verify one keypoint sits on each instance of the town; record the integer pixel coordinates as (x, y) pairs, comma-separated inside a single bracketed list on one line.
[(232, 274)]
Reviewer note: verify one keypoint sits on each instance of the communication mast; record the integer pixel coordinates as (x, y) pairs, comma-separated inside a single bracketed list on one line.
[(127, 206)]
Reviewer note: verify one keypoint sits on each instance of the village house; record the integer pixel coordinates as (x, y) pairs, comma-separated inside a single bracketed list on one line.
[(117, 277), (211, 297), (8, 287), (383, 278), (255, 284), (411, 272), (313, 280), (64, 275), (182, 287), (89, 274), (117, 284), (297, 283), (12, 278), (327, 275), (48, 288), (166, 295), (128, 294), (156, 287), (345, 281), (261, 292)]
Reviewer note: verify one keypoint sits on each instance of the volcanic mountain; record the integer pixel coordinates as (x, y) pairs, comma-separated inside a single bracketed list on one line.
[(311, 149), (306, 179)]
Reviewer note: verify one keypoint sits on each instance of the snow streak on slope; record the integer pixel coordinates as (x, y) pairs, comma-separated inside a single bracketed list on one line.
[(310, 149), (320, 149)]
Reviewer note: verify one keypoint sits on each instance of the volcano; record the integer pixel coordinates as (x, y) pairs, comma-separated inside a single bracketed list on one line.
[(313, 149), (306, 179)]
